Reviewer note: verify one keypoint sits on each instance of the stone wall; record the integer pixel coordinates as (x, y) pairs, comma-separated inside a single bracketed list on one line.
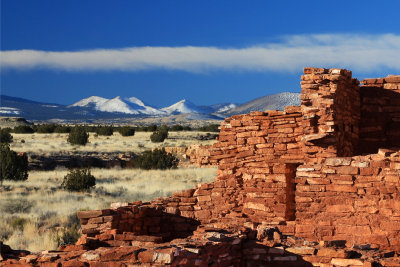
[(138, 219), (256, 155), (380, 109), (199, 155), (330, 104), (355, 199), (291, 190), (287, 168)]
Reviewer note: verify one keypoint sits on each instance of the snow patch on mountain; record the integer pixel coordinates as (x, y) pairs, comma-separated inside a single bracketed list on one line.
[(270, 102), (93, 101), (226, 108), (9, 111), (182, 107), (135, 100), (135, 106), (143, 108), (128, 105), (117, 105)]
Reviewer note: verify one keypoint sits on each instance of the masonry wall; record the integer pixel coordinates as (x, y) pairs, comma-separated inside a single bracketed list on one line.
[(257, 154), (283, 167), (355, 199), (330, 104), (380, 110), (296, 171)]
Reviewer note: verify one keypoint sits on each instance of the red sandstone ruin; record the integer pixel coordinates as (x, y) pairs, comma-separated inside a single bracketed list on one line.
[(315, 185)]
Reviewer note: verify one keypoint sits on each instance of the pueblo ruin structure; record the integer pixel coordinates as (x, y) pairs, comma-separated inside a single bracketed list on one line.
[(314, 185)]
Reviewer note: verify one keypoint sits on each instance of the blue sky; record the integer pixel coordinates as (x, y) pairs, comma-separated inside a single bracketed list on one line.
[(205, 51)]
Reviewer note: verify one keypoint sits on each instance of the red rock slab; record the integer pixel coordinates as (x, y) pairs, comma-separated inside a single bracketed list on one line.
[(93, 213), (128, 254)]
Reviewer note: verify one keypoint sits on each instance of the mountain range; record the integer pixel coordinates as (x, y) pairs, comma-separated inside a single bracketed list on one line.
[(96, 107)]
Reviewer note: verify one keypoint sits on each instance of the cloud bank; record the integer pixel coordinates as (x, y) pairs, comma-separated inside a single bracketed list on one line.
[(363, 53)]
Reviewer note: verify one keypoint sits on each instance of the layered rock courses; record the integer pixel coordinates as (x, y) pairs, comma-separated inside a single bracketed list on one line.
[(314, 185)]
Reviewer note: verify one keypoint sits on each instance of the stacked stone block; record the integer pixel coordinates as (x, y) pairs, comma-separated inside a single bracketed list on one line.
[(290, 191), (330, 104), (380, 109), (199, 155), (270, 196), (355, 199), (145, 219), (257, 153)]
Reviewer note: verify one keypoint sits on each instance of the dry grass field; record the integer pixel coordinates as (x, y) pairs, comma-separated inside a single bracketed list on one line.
[(35, 213), (57, 143), (38, 214)]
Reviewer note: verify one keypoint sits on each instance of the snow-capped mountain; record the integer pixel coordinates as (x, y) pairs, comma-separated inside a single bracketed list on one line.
[(182, 107), (143, 108), (93, 102), (129, 105), (270, 102), (135, 106), (95, 107), (117, 105)]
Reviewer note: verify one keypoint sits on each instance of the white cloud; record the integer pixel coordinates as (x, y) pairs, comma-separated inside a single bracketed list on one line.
[(357, 52)]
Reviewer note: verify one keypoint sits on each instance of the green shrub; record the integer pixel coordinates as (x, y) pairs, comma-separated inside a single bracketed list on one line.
[(62, 129), (155, 159), (5, 136), (24, 129), (78, 136), (13, 166), (127, 131), (159, 136), (105, 130), (78, 180), (45, 128)]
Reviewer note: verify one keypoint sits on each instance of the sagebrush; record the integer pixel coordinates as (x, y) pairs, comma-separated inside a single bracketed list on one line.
[(78, 136), (13, 166), (5, 136), (159, 136), (79, 180), (156, 159)]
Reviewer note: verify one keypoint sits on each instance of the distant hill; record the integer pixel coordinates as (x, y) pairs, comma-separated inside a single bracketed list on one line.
[(269, 102), (98, 108), (32, 110), (11, 122)]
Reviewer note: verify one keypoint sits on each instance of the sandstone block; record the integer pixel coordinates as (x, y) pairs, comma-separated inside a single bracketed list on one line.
[(93, 213), (348, 170), (333, 253), (338, 161), (347, 262), (302, 250)]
